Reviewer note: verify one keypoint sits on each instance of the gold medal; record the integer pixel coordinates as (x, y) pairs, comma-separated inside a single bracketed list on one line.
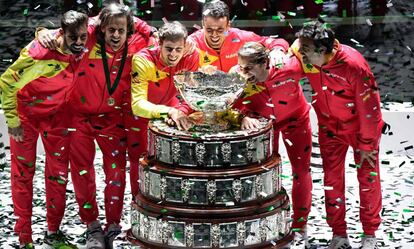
[(111, 101)]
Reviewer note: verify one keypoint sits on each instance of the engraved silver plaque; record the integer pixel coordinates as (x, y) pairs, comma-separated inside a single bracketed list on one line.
[(228, 235), (173, 190), (198, 192), (252, 232), (177, 236)]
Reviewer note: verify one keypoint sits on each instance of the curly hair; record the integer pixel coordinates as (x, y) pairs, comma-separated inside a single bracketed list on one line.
[(320, 33)]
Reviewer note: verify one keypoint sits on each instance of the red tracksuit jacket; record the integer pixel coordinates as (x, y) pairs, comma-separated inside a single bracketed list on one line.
[(153, 88), (345, 97), (227, 57), (279, 98)]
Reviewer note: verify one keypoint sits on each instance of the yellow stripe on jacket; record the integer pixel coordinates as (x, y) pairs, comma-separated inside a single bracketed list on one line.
[(143, 72), (24, 70)]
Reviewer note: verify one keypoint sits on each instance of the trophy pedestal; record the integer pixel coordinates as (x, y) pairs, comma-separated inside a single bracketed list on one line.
[(205, 190)]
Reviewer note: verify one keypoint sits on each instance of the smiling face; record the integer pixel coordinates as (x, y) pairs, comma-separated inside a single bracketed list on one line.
[(215, 31), (252, 72), (115, 33), (311, 54), (75, 40), (172, 51)]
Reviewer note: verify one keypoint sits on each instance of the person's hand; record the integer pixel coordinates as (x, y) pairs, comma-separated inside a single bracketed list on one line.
[(249, 123), (48, 39), (277, 58), (16, 133), (179, 118), (189, 47), (208, 69), (369, 156)]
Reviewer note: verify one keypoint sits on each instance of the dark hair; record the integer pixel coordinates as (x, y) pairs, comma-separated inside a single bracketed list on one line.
[(216, 9), (320, 33), (72, 20), (113, 10), (255, 52), (172, 31)]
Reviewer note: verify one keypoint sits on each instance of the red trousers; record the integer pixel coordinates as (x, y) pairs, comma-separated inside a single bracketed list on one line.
[(55, 140), (136, 128), (108, 132), (297, 137), (333, 152)]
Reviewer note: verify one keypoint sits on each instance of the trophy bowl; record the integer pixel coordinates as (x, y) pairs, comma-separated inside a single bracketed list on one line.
[(210, 94)]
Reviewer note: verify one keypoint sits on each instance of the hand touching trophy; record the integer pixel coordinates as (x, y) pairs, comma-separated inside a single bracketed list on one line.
[(210, 93)]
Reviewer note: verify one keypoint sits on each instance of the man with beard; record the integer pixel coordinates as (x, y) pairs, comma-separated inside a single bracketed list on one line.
[(347, 104), (34, 94), (98, 115), (275, 93), (103, 113), (218, 42)]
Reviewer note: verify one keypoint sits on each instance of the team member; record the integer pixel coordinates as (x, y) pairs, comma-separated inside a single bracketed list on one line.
[(275, 93), (218, 43), (98, 116), (153, 90), (347, 104), (34, 91)]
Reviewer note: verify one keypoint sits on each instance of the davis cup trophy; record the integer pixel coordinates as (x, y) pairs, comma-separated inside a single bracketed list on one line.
[(210, 94), (213, 187)]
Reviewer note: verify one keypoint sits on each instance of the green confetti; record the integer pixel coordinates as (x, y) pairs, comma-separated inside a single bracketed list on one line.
[(200, 102), (82, 172), (178, 234), (195, 135), (114, 165), (270, 208), (87, 205), (366, 78), (45, 133), (164, 210), (277, 18), (301, 219), (21, 158), (343, 13), (83, 99), (302, 82), (397, 193), (373, 173), (309, 66), (135, 129), (319, 1), (259, 13), (246, 102), (61, 182), (56, 154), (297, 230), (405, 210), (39, 101), (144, 2), (26, 12), (291, 13)]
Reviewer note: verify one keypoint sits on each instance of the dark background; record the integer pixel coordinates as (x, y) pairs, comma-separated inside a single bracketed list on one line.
[(382, 30)]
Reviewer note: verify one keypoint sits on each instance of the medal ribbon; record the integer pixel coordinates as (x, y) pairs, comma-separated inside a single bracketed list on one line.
[(111, 88)]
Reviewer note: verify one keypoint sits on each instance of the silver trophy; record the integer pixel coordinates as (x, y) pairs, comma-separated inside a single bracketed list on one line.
[(210, 94)]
